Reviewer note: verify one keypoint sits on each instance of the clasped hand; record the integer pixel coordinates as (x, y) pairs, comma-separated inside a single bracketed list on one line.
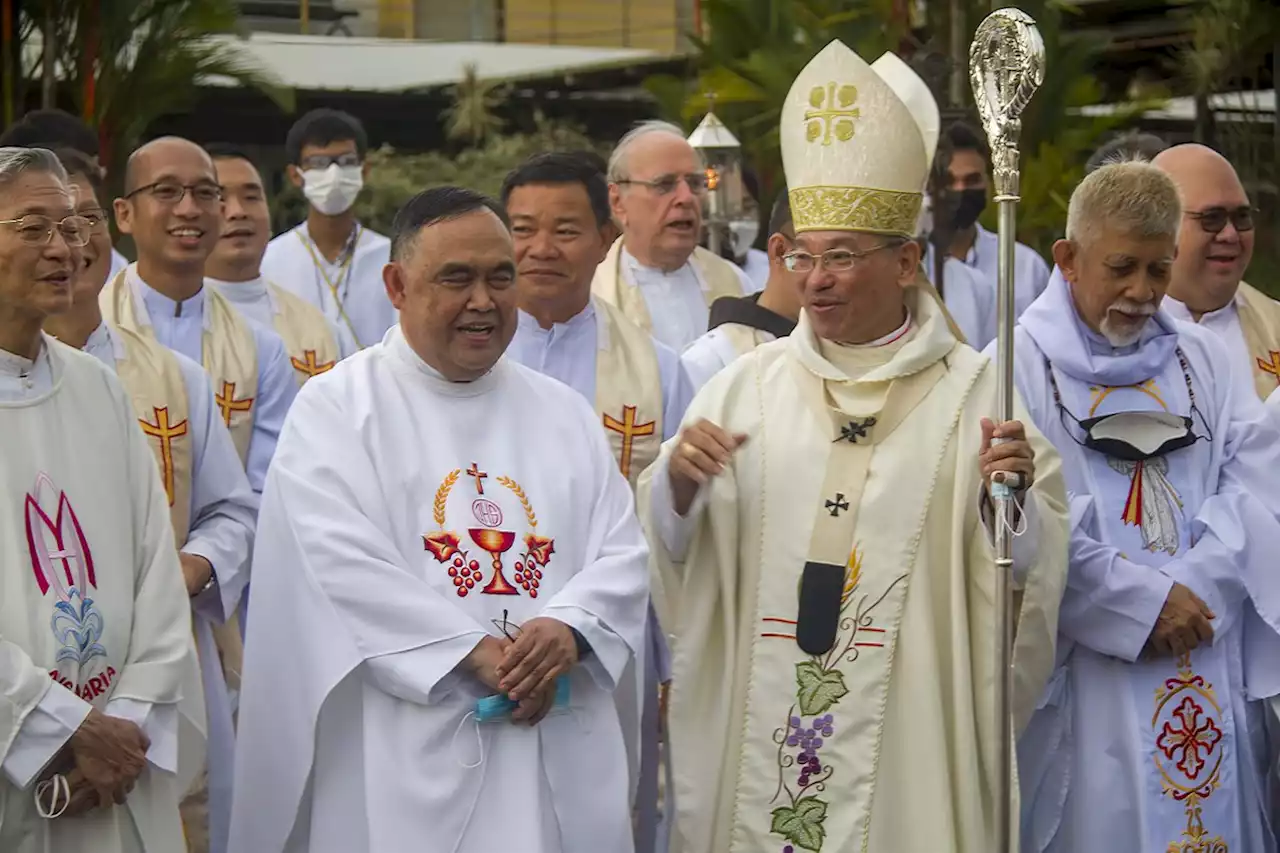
[(106, 756), (526, 669), (1182, 626)]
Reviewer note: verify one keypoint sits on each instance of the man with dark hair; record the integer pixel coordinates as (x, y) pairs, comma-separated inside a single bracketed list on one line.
[(965, 154), (55, 129), (1127, 146), (331, 260), (234, 269), (740, 324), (211, 505), (454, 584), (559, 210)]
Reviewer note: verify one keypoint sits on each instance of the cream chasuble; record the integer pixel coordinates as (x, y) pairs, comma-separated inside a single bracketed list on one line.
[(229, 352), (628, 391), (612, 284), (150, 376), (1260, 322), (859, 480)]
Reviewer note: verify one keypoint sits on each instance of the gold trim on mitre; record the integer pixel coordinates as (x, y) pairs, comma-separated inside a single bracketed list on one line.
[(855, 209), (854, 155)]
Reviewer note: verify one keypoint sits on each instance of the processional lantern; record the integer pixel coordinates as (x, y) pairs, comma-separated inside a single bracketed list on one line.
[(726, 201)]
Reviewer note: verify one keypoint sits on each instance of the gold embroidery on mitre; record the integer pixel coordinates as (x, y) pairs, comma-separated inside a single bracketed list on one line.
[(833, 113), (855, 209)]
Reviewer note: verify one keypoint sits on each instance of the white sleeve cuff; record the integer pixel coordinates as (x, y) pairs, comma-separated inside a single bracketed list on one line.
[(159, 722), (43, 733)]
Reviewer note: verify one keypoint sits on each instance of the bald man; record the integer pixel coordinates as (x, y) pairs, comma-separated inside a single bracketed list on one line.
[(1215, 245)]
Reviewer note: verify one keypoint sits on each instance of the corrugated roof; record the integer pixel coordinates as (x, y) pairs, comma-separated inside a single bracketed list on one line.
[(329, 63), (1254, 106)]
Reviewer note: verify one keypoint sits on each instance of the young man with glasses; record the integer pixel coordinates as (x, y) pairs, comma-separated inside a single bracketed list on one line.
[(211, 506), (1215, 245), (172, 206), (331, 260), (657, 273)]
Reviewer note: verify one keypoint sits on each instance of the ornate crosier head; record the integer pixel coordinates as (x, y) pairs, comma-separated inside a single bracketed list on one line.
[(1006, 66)]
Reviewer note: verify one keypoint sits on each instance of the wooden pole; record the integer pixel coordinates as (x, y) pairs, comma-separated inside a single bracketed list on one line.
[(305, 15), (49, 81)]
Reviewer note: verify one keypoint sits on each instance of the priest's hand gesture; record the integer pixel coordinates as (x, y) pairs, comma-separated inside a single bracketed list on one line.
[(544, 651), (110, 753), (1182, 626), (701, 453), (484, 660), (1012, 458)]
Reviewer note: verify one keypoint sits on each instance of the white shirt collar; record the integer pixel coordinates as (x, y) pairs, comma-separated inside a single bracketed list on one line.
[(406, 355)]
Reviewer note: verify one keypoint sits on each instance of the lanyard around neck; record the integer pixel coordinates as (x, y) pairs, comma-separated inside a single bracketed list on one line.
[(344, 275)]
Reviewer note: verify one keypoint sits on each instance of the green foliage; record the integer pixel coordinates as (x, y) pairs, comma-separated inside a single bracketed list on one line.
[(395, 177), (472, 117), (148, 56)]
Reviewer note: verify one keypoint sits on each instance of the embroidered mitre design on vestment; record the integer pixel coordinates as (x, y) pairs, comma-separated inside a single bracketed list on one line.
[(854, 154)]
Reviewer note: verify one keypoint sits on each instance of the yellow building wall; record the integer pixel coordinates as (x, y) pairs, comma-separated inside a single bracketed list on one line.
[(645, 24)]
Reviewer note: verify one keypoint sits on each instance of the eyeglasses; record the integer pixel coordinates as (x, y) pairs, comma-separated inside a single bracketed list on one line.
[(323, 161), (666, 184), (36, 229), (833, 260), (96, 217), (171, 193), (1214, 219)]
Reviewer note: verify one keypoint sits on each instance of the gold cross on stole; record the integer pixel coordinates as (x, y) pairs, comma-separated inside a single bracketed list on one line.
[(308, 365), (165, 433), (629, 430), (1272, 366), (228, 403)]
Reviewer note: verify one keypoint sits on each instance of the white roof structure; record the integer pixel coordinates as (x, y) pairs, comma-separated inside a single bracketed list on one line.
[(323, 63), (1256, 106), (712, 133)]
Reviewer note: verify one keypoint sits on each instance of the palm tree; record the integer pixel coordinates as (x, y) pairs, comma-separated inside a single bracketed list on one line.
[(472, 117), (129, 62)]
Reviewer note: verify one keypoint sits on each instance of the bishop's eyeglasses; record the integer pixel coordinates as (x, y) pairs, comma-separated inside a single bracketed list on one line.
[(832, 260), (36, 229)]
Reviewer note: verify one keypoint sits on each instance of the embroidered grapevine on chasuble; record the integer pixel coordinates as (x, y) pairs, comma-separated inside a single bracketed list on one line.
[(1189, 752), (62, 561), (490, 537), (803, 774)]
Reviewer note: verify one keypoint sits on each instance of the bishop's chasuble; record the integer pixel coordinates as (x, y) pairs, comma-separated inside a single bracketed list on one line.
[(1129, 750), (1250, 326), (314, 344), (349, 291), (406, 517), (93, 611), (674, 306), (213, 511), (864, 459), (248, 368)]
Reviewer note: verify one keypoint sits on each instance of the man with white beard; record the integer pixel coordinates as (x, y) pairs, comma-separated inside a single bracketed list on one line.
[(659, 276), (453, 584), (1149, 735)]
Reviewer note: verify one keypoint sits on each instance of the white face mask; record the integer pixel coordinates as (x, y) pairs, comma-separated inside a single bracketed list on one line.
[(332, 190), (742, 234)]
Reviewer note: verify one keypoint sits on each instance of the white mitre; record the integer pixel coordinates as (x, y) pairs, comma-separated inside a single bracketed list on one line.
[(854, 154), (915, 93)]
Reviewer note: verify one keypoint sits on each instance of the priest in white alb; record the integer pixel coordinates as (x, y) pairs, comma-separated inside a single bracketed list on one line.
[(234, 268), (211, 506), (822, 528), (1151, 735), (739, 324), (102, 719), (656, 272), (1215, 247), (559, 210), (453, 584)]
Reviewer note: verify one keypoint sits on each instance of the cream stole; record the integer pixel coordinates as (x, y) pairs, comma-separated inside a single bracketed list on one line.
[(628, 391), (312, 346), (151, 376), (229, 352), (1260, 321), (612, 284)]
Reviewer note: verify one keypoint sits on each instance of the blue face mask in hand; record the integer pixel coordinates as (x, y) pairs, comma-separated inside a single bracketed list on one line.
[(499, 707)]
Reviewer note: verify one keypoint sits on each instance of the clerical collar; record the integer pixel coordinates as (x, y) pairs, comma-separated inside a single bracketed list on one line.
[(885, 340), (25, 381), (636, 266), (159, 305), (583, 317), (1180, 311), (12, 364), (404, 353)]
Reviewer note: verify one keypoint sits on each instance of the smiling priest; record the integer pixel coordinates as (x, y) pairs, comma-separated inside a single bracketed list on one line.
[(101, 716), (822, 533), (453, 583)]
